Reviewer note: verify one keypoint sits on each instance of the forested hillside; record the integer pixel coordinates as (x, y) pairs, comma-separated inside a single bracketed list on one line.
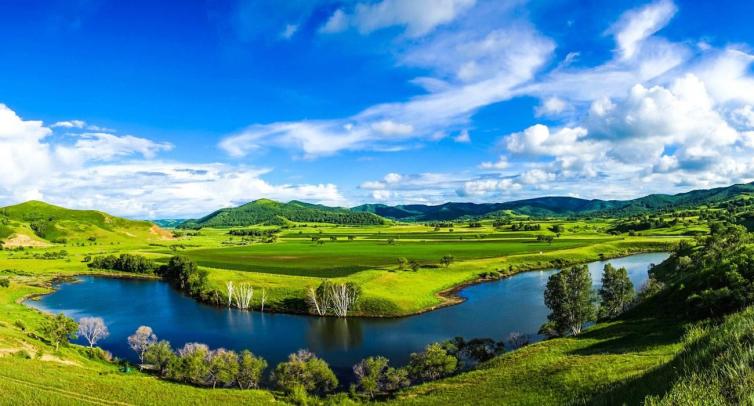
[(264, 211)]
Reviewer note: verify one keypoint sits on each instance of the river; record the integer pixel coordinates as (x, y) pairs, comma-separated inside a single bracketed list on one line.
[(492, 309)]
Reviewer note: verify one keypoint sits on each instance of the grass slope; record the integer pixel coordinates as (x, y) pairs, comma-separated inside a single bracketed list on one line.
[(561, 371), (42, 221)]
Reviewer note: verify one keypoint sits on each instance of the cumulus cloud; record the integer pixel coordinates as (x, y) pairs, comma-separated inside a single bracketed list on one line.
[(120, 174)]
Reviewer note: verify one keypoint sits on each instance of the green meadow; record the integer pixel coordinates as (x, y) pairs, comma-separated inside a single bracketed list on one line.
[(568, 370)]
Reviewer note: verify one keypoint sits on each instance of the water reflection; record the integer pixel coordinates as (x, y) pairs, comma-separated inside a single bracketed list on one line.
[(334, 334)]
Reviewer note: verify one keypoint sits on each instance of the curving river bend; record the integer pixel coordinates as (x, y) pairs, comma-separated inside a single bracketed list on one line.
[(493, 309)]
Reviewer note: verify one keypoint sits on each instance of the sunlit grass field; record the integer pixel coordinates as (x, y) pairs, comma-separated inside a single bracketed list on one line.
[(370, 258)]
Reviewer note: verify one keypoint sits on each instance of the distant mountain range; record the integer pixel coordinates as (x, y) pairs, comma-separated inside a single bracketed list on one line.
[(558, 205), (40, 223), (265, 211)]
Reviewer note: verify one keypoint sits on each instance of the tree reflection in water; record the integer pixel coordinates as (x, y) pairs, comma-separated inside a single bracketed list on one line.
[(334, 333)]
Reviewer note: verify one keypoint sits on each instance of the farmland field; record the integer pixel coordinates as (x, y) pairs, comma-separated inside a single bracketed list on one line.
[(342, 258)]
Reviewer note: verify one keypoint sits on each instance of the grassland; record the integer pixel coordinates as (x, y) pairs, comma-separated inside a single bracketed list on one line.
[(305, 253), (609, 362)]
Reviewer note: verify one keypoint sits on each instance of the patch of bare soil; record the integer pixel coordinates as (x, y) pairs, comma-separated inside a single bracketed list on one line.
[(23, 240), (164, 234)]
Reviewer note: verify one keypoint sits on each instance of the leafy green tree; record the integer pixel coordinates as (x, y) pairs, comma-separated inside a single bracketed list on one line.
[(375, 376), (250, 369), (617, 291), (185, 274), (223, 367), (191, 365), (59, 329), (304, 370), (569, 297), (159, 355), (433, 363)]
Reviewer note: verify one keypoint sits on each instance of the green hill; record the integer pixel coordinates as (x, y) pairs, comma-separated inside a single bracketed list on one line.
[(559, 205), (36, 223), (265, 211)]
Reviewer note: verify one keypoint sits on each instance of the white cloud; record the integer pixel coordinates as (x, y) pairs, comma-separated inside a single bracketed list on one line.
[(337, 22), (419, 17), (97, 171), (382, 195), (517, 53), (69, 124), (551, 106), (105, 147), (289, 31), (463, 137), (635, 26), (539, 140), (483, 187), (744, 116), (536, 177), (393, 177), (501, 163), (726, 74), (389, 127)]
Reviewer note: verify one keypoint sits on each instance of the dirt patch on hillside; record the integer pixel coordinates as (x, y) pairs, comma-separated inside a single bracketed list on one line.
[(164, 234), (23, 240), (31, 351)]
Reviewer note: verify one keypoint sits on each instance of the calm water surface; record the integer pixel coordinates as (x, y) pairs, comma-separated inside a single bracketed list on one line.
[(493, 310)]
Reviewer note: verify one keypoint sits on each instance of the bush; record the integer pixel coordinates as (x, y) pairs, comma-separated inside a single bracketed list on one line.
[(20, 324), (434, 363), (374, 376), (378, 306), (4, 282), (304, 370)]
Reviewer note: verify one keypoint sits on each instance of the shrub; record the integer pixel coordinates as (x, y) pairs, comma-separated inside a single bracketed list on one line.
[(4, 282), (20, 324), (431, 364), (304, 370)]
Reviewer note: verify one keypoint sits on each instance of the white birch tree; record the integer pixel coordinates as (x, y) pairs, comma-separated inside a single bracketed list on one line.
[(93, 329), (230, 287), (244, 295)]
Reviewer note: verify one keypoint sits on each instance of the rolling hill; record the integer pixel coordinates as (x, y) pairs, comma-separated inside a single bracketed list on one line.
[(559, 205), (36, 223), (265, 211)]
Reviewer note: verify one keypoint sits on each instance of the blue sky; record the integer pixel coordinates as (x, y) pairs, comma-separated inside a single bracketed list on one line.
[(173, 109)]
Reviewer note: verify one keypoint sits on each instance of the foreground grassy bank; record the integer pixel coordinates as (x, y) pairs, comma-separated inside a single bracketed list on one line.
[(575, 370)]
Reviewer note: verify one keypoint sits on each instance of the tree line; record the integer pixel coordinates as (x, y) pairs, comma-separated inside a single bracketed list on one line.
[(302, 375)]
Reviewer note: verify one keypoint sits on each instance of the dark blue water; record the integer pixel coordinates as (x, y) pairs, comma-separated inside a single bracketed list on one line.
[(493, 310)]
